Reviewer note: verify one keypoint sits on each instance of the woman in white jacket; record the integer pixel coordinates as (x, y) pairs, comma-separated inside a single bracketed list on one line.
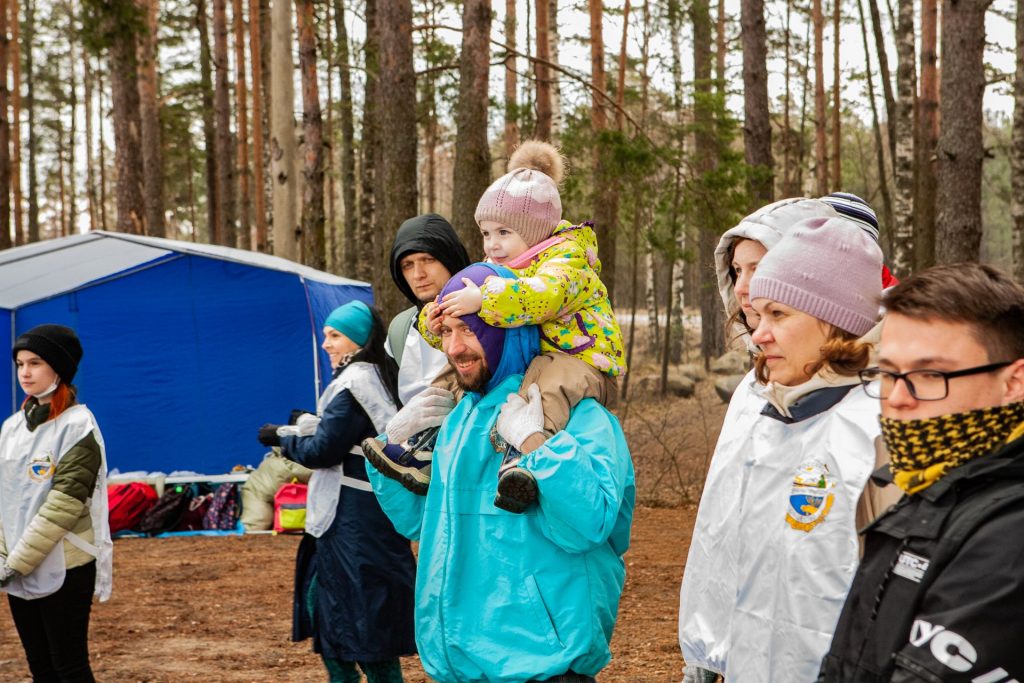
[(775, 544), (53, 502)]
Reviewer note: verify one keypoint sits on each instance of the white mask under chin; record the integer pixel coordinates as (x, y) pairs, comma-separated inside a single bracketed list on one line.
[(50, 390)]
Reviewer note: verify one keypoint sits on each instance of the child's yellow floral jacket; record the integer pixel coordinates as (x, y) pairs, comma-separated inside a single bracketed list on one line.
[(559, 288)]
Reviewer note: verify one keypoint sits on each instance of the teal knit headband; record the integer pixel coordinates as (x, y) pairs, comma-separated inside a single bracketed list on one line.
[(354, 320)]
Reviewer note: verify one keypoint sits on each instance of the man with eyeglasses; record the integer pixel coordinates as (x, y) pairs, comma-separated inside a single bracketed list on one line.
[(939, 595)]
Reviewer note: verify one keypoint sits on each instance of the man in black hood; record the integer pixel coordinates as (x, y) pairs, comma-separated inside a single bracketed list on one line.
[(425, 254)]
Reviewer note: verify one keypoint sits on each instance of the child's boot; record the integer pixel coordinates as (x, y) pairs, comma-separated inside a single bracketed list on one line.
[(517, 488), (407, 463)]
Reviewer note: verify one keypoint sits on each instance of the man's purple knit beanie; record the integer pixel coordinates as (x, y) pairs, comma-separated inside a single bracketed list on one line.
[(492, 339), (825, 269)]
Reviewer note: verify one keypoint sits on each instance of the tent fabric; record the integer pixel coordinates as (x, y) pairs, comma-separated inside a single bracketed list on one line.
[(188, 348)]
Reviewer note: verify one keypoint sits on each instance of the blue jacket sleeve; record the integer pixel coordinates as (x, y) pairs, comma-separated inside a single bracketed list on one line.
[(343, 425), (585, 480), (403, 507)]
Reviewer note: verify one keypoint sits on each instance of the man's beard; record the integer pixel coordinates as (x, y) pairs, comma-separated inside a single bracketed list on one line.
[(477, 382)]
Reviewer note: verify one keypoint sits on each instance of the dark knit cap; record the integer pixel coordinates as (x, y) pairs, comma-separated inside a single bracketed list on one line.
[(427, 234), (56, 344)]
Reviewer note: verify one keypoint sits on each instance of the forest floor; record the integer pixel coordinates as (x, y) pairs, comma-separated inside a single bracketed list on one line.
[(219, 609)]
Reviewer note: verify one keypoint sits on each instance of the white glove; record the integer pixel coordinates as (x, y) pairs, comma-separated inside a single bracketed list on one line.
[(428, 409), (6, 574), (305, 425), (520, 419)]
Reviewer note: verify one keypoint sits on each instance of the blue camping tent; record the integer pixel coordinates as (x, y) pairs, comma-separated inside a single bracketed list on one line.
[(189, 348)]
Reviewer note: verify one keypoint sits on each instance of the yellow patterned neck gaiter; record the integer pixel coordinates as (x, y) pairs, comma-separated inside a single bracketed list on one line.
[(922, 451)]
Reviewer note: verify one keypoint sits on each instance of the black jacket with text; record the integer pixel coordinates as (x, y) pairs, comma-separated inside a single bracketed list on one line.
[(939, 595)]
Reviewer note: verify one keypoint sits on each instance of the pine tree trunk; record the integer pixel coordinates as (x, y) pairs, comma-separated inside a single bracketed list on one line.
[(787, 128), (242, 143), (395, 187), (886, 78), (30, 103), (960, 149), (124, 88), (283, 146), (348, 159), (757, 129), (542, 126), (928, 134), (606, 196), (265, 107), (313, 241), (332, 256), (5, 135), (14, 56), (259, 158), (1017, 153), (90, 174), (511, 81), (883, 179), (472, 152), (213, 210), (712, 340), (72, 189), (370, 243), (225, 230), (820, 151), (836, 177), (554, 40), (903, 204), (620, 85), (805, 87), (149, 112)]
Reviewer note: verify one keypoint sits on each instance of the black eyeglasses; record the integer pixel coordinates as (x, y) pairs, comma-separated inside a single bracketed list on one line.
[(924, 385)]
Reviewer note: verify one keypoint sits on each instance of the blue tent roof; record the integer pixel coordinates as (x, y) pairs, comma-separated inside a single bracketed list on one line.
[(189, 348)]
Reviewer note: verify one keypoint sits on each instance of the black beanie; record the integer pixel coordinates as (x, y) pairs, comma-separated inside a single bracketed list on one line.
[(428, 234), (56, 344)]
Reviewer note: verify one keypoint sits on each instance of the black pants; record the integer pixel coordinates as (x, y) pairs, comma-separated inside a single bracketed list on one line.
[(570, 677), (55, 630)]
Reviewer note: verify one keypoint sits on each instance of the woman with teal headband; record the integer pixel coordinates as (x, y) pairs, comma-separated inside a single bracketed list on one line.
[(354, 573)]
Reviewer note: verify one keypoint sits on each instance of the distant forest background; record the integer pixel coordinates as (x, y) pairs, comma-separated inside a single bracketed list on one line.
[(312, 128)]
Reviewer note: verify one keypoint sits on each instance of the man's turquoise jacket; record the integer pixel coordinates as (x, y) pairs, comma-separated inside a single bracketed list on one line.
[(507, 598)]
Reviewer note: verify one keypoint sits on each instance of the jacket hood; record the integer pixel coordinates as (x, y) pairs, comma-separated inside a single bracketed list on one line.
[(429, 234), (767, 225)]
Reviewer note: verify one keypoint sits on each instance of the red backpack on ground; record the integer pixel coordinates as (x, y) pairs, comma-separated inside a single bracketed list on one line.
[(290, 508), (127, 504)]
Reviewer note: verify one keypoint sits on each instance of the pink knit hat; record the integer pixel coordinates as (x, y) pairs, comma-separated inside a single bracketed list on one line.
[(526, 198), (826, 269)]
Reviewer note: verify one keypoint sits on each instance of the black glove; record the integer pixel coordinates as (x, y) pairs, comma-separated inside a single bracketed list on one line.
[(296, 413), (268, 435)]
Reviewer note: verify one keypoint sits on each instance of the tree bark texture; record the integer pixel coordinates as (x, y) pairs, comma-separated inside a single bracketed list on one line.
[(244, 240), (124, 89), (927, 138), (395, 187), (149, 113), (472, 152), (371, 244), (511, 136), (5, 135), (903, 162), (209, 128), (554, 39), (90, 173), (348, 159), (606, 196), (224, 232), (620, 85), (314, 245), (542, 72), (258, 142), (757, 129), (820, 151), (960, 150), (884, 75), (14, 56), (836, 177), (30, 103), (283, 146), (885, 236), (1017, 153)]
